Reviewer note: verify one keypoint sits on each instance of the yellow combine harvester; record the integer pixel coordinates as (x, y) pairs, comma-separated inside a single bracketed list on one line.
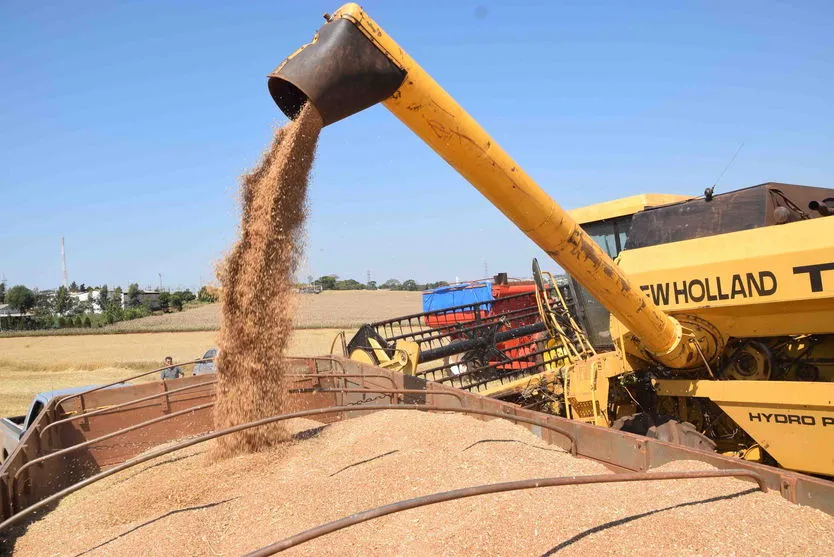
[(721, 329)]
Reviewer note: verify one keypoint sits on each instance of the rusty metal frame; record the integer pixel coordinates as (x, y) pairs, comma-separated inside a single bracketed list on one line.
[(313, 390), (143, 374), (485, 489), (98, 411), (343, 375), (272, 419), (104, 437)]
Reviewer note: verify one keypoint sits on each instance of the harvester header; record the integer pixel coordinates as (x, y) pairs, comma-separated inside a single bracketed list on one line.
[(351, 64)]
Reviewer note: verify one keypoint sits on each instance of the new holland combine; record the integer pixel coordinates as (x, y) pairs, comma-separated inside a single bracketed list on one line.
[(721, 331)]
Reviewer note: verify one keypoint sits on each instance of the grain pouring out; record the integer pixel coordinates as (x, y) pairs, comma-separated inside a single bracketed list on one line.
[(257, 278)]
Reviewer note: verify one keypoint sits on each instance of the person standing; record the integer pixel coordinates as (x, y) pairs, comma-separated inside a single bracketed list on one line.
[(172, 372)]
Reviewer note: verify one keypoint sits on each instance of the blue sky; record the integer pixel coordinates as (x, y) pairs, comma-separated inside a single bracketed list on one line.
[(124, 126)]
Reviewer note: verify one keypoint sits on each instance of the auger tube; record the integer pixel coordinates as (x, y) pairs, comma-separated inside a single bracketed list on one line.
[(352, 64)]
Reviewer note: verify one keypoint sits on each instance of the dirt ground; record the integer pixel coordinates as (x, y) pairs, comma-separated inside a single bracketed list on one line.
[(29, 365)]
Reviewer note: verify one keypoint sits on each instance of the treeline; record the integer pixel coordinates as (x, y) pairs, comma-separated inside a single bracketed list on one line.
[(332, 282), (89, 306)]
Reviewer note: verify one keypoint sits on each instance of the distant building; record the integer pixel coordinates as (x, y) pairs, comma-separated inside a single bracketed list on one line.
[(8, 311), (149, 298), (9, 315), (92, 297)]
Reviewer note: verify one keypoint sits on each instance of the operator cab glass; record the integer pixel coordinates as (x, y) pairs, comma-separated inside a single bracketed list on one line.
[(610, 235)]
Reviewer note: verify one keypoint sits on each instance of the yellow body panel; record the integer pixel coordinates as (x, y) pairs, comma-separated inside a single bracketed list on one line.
[(751, 283), (622, 207), (791, 420), (586, 387), (404, 360)]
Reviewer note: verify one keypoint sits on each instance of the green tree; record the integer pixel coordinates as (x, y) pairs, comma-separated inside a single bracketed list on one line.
[(133, 295), (114, 313), (177, 300), (187, 296), (73, 287), (411, 285), (205, 295), (391, 284), (348, 284), (79, 308), (103, 297), (134, 313), (63, 301), (327, 282), (87, 322), (371, 285), (21, 298), (77, 322), (2, 292), (164, 300)]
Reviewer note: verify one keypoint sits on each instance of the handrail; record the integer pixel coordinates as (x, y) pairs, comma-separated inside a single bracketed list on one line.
[(122, 405), (473, 491), (345, 375), (311, 390), (272, 419), (94, 389), (105, 437)]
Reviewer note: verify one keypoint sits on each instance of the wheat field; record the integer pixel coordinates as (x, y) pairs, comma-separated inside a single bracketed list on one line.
[(326, 310), (33, 364), (30, 365)]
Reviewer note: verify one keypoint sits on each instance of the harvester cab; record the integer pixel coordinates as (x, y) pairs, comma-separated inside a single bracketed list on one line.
[(721, 330)]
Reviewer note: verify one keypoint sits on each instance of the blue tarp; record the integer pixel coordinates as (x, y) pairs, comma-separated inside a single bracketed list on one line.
[(457, 295)]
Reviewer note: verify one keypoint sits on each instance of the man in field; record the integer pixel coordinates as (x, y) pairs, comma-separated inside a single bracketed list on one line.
[(174, 372)]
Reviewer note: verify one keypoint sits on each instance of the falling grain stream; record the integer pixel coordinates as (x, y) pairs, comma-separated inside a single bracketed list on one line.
[(257, 278)]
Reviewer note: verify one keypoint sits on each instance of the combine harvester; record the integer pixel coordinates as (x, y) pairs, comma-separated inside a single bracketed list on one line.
[(721, 308), (721, 330)]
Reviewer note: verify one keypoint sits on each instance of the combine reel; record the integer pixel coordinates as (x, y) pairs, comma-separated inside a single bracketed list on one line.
[(474, 346)]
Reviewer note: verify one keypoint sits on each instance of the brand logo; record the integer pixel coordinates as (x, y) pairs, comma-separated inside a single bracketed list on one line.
[(711, 289)]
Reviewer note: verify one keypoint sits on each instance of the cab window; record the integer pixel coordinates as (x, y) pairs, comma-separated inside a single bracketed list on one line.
[(610, 235)]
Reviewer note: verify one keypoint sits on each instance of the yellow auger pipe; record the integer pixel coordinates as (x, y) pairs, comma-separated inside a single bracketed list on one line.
[(342, 72)]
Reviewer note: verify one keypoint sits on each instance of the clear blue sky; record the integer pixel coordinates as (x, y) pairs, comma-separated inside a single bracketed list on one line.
[(124, 126)]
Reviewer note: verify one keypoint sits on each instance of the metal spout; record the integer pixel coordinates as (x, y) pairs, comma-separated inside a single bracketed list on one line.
[(341, 72)]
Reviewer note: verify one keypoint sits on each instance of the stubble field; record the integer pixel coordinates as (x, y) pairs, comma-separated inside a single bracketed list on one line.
[(313, 311), (29, 365)]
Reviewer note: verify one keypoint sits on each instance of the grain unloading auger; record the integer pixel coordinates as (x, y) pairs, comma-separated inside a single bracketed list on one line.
[(352, 64), (771, 319)]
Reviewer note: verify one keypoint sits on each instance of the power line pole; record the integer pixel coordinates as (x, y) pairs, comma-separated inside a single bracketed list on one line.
[(64, 263)]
